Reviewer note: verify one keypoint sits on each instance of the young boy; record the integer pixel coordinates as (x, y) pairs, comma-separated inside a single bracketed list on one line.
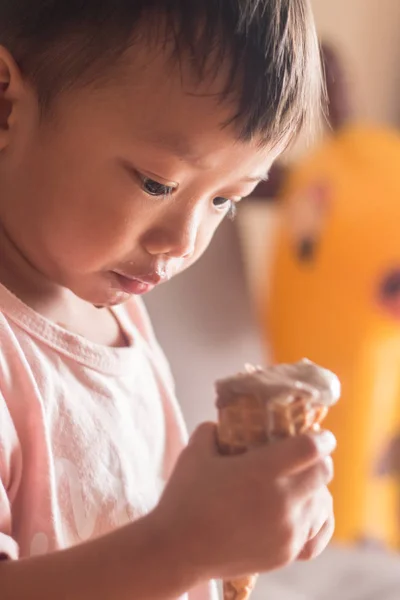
[(128, 130)]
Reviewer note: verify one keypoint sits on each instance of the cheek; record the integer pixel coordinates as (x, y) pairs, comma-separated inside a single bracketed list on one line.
[(71, 204), (86, 212), (204, 238), (76, 219), (99, 226)]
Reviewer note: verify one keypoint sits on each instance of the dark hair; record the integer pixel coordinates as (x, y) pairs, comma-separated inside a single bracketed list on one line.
[(270, 45)]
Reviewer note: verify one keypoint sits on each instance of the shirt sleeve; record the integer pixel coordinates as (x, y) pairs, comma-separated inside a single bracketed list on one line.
[(10, 472)]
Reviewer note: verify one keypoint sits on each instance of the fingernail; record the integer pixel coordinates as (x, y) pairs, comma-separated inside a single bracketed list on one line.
[(325, 441)]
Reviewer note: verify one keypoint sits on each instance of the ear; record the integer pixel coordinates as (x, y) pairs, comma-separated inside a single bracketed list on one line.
[(11, 91)]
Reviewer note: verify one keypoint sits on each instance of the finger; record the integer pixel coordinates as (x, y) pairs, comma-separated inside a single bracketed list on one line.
[(318, 544), (295, 454), (205, 438), (307, 482), (318, 511)]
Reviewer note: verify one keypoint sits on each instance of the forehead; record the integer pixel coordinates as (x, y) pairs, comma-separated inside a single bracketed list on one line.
[(164, 90), (180, 112), (152, 100)]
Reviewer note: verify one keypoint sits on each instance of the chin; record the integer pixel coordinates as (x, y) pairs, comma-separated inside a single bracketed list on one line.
[(101, 296), (115, 300)]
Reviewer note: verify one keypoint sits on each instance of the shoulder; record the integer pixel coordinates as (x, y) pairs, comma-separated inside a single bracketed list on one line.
[(8, 347), (9, 443), (136, 313)]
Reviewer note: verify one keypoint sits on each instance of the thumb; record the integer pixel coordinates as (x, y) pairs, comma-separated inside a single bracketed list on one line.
[(204, 438), (294, 454)]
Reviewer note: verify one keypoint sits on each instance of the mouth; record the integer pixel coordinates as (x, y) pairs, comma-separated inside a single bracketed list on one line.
[(389, 293), (137, 285)]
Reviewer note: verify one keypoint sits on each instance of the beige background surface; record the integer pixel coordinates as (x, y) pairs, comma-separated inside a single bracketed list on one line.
[(367, 32)]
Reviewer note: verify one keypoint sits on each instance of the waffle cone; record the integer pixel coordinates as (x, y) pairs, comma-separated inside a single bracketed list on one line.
[(247, 423), (240, 589)]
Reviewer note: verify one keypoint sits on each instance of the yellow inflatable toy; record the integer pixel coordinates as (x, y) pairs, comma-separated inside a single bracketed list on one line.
[(335, 298)]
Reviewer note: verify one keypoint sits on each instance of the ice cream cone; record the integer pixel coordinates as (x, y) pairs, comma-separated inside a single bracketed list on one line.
[(240, 589), (248, 420)]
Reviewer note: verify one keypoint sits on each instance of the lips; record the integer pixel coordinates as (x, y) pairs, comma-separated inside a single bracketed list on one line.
[(138, 285)]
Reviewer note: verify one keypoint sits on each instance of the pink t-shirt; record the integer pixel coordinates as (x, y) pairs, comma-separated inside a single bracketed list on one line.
[(88, 434)]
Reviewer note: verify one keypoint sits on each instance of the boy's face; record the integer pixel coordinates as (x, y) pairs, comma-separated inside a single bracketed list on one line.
[(122, 186)]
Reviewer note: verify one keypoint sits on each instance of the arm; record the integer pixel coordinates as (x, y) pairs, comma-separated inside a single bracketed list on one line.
[(139, 561), (276, 493)]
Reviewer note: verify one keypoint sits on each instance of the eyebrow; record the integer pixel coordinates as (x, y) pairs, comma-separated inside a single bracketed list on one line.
[(180, 147)]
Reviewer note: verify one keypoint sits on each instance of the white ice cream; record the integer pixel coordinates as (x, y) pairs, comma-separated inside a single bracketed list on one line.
[(281, 383)]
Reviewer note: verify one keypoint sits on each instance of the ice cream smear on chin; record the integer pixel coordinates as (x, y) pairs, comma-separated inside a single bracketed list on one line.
[(282, 383)]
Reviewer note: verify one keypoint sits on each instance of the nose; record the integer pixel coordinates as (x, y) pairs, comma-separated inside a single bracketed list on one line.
[(175, 237)]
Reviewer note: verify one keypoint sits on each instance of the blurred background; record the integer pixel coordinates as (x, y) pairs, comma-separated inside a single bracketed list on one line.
[(311, 267)]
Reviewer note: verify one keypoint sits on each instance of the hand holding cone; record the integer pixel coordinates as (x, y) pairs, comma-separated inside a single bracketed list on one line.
[(260, 406)]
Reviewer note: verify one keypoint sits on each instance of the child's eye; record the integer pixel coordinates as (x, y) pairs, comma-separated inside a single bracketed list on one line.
[(220, 202), (154, 188)]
